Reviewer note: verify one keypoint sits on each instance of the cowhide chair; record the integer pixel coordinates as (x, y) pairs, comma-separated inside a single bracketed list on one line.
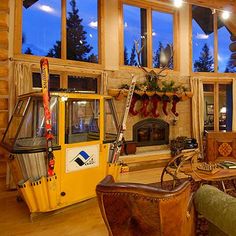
[(132, 209)]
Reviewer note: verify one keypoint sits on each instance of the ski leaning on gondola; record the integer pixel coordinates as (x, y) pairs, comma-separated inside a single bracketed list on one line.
[(116, 146), (47, 115)]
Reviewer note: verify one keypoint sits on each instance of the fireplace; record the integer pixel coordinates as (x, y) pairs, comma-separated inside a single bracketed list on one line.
[(150, 132)]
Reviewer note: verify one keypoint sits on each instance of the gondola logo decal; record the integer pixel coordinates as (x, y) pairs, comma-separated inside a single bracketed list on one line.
[(82, 158)]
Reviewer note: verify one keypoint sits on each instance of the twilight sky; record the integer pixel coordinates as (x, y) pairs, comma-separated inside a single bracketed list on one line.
[(42, 27), (42, 24)]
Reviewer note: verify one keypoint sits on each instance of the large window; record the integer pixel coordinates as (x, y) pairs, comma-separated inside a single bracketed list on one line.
[(203, 39), (218, 106), (142, 46), (211, 39), (41, 27), (82, 32), (226, 62), (162, 34), (46, 33), (133, 31)]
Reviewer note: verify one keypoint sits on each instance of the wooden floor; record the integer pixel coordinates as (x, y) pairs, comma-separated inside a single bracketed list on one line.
[(83, 219)]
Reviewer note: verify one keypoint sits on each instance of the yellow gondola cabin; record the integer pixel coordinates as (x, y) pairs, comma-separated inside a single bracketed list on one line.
[(83, 127)]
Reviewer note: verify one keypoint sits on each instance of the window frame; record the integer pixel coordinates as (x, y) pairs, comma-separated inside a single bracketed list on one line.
[(17, 44), (149, 7), (216, 82), (70, 72), (215, 72)]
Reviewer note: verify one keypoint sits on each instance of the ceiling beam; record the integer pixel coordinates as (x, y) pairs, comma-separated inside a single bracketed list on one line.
[(230, 23), (216, 4)]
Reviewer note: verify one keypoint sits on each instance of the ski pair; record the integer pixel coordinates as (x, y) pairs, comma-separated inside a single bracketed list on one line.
[(44, 66), (117, 145)]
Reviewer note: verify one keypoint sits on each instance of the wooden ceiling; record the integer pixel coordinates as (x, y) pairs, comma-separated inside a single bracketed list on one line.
[(220, 5), (229, 5)]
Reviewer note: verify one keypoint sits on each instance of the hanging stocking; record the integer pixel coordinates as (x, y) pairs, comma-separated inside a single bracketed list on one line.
[(155, 100), (135, 98), (165, 100), (175, 100), (145, 100)]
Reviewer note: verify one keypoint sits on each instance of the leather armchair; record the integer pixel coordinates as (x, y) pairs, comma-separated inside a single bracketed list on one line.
[(132, 209)]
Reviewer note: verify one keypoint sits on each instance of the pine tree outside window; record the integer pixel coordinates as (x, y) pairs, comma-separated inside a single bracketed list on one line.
[(162, 34), (137, 21), (43, 33), (132, 32), (82, 33), (211, 42), (203, 39)]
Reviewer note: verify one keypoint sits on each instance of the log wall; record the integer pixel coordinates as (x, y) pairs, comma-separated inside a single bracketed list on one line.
[(4, 71)]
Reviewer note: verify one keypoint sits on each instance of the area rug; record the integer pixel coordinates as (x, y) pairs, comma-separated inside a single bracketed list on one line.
[(201, 224)]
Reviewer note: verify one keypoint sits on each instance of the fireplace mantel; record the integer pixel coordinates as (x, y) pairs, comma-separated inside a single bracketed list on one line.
[(119, 93)]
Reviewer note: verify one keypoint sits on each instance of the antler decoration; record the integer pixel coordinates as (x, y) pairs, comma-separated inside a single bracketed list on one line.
[(136, 42), (165, 54)]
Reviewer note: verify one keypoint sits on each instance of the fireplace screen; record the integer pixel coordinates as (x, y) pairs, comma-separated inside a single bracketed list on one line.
[(151, 132)]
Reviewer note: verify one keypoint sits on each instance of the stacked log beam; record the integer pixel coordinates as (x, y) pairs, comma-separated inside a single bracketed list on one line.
[(4, 71)]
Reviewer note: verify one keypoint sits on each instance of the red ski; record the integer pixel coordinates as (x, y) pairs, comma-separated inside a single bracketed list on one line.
[(116, 146), (47, 114)]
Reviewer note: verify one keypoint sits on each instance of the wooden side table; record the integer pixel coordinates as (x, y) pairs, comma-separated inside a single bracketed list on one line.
[(221, 176)]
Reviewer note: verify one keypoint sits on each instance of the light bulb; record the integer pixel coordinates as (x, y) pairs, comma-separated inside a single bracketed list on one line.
[(225, 15), (178, 3)]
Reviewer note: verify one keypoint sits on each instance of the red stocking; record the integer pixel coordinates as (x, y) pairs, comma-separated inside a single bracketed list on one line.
[(144, 110), (165, 99), (175, 100), (135, 98), (155, 100)]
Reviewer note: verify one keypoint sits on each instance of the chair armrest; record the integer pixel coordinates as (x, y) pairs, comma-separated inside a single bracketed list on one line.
[(217, 207), (190, 205)]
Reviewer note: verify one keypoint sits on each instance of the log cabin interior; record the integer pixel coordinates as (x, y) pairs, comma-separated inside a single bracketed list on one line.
[(182, 55)]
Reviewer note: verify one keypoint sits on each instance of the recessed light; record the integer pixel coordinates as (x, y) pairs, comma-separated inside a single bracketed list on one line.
[(225, 15), (178, 3)]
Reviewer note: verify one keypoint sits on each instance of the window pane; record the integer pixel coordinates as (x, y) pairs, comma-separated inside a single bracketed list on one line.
[(225, 107), (226, 64), (209, 106), (82, 30), (110, 122), (82, 83), (162, 34), (54, 81), (203, 39), (82, 118), (14, 125), (32, 131), (41, 27), (135, 29)]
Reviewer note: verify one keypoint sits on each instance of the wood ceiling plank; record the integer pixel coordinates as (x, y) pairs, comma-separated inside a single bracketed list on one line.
[(216, 4)]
